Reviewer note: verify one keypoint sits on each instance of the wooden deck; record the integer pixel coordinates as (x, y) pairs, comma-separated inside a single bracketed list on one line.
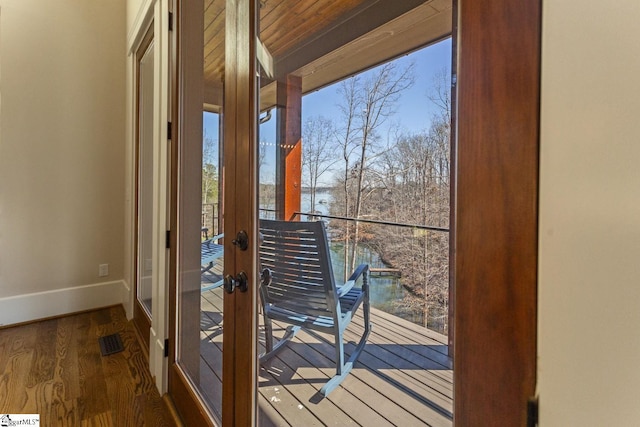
[(403, 376)]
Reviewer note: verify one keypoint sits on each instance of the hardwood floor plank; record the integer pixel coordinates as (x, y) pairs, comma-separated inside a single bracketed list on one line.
[(132, 400), (43, 365), (64, 408), (153, 409), (66, 367), (93, 386), (100, 420), (122, 398), (62, 412), (13, 382), (54, 368), (14, 347)]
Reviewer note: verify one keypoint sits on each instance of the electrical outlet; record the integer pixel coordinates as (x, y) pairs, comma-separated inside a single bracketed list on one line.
[(103, 270)]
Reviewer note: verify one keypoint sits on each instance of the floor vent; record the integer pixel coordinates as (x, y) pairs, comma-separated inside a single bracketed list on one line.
[(110, 344)]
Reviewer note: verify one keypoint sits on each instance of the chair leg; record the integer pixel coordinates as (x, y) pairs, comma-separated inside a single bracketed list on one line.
[(339, 348), (343, 369), (207, 268), (212, 286), (272, 350), (366, 310), (268, 334)]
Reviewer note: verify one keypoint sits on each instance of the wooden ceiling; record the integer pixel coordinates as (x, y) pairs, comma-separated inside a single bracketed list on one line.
[(324, 41)]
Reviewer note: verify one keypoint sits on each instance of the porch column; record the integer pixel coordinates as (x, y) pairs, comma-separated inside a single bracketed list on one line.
[(289, 146)]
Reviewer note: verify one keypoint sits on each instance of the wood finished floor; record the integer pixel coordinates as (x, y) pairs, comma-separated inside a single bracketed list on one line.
[(54, 368), (402, 378)]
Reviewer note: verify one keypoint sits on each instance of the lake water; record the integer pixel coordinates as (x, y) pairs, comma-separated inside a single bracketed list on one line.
[(385, 292)]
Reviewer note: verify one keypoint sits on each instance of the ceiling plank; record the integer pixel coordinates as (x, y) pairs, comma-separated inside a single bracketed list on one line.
[(420, 27), (324, 42), (350, 28)]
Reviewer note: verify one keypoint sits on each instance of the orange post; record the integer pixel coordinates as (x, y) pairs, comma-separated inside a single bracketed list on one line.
[(289, 151)]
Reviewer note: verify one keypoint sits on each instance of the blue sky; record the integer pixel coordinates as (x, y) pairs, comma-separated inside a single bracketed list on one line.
[(415, 110), (413, 113)]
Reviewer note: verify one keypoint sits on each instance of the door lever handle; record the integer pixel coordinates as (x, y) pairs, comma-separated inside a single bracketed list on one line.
[(241, 282)]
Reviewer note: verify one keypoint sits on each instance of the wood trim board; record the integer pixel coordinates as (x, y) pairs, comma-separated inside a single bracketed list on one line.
[(496, 210)]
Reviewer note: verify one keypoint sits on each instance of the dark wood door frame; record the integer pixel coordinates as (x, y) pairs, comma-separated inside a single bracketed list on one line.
[(498, 93), (240, 365)]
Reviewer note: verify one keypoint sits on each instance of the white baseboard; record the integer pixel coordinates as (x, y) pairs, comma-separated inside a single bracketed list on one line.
[(40, 305)]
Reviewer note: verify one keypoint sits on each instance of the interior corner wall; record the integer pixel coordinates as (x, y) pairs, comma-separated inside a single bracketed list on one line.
[(134, 9), (62, 148), (589, 272)]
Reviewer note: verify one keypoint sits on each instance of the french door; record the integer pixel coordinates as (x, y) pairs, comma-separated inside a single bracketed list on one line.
[(216, 87), (214, 187)]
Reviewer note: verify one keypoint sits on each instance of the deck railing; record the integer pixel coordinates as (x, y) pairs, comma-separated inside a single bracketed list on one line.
[(409, 264), (210, 218)]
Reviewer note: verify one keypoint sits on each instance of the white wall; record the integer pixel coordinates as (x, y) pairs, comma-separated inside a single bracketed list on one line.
[(589, 282), (135, 8), (62, 89)]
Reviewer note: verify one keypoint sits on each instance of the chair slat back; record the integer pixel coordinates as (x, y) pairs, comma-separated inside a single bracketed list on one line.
[(297, 253)]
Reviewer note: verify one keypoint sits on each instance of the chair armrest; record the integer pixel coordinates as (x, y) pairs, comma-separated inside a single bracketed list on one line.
[(215, 238), (344, 289), (362, 269)]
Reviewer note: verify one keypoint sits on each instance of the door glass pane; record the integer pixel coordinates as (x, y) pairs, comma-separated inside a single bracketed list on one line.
[(145, 180), (200, 255), (354, 134)]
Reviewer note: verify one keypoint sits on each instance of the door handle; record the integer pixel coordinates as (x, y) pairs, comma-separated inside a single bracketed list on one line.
[(241, 282), (241, 240)]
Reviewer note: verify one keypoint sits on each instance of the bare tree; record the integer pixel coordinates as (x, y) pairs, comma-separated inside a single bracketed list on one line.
[(414, 189), (318, 142), (366, 105), (210, 182), (407, 182), (209, 170), (349, 90), (439, 136)]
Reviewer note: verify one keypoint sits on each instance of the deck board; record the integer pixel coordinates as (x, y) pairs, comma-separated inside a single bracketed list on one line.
[(403, 377)]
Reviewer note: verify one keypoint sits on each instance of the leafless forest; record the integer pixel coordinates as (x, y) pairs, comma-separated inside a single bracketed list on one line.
[(399, 177), (377, 172)]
